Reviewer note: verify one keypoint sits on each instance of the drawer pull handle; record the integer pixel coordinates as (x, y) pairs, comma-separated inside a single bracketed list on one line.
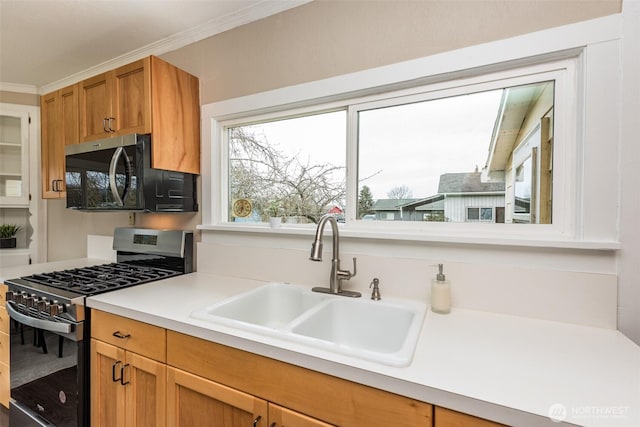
[(122, 381), (113, 372), (120, 335), (257, 420)]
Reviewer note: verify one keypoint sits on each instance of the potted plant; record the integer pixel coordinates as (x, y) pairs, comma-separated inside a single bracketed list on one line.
[(275, 214), (8, 235)]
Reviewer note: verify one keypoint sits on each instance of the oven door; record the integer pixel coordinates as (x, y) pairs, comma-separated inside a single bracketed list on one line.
[(105, 175), (47, 368)]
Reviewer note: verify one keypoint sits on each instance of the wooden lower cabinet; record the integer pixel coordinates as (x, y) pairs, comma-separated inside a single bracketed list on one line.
[(143, 375), (283, 417), (447, 418), (197, 401), (318, 396), (127, 389)]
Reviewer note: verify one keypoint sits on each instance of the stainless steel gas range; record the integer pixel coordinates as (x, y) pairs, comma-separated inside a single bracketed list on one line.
[(51, 388)]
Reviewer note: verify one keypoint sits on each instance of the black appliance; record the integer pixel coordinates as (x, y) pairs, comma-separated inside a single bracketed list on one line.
[(116, 174), (51, 388)]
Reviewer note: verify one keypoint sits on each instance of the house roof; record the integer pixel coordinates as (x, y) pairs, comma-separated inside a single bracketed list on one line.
[(391, 204), (467, 182)]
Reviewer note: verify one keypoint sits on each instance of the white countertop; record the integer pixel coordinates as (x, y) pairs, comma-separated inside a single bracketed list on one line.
[(508, 369)]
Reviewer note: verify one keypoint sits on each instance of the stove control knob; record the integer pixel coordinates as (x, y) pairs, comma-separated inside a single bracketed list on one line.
[(42, 305), (19, 298), (30, 300), (9, 296), (55, 309)]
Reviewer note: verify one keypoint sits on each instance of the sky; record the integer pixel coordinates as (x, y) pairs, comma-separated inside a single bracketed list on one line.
[(408, 145)]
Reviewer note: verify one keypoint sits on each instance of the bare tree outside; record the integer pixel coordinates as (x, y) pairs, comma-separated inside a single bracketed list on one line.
[(400, 192), (294, 185)]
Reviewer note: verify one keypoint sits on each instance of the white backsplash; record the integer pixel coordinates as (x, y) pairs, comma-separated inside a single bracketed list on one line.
[(549, 293)]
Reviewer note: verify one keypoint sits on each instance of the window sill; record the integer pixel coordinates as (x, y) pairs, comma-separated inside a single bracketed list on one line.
[(412, 236)]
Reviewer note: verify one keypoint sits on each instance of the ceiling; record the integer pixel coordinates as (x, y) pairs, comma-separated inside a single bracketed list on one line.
[(46, 41)]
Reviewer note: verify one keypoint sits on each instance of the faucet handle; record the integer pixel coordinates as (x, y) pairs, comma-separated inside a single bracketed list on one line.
[(346, 274)]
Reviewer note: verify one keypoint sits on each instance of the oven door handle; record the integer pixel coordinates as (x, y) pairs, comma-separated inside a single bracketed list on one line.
[(45, 325), (112, 175)]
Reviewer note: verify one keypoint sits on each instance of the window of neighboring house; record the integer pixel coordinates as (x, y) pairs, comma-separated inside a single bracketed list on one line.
[(486, 214), (389, 216), (480, 214), (473, 214), (414, 147)]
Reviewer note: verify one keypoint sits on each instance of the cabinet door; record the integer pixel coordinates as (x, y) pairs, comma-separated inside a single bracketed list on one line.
[(195, 401), (145, 391), (132, 98), (107, 393), (95, 107), (283, 417), (52, 146), (14, 156), (448, 418), (70, 128)]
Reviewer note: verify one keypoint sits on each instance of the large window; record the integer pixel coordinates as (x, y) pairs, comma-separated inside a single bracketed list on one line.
[(475, 151)]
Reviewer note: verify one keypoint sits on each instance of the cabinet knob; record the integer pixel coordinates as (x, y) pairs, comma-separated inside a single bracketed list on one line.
[(257, 420)]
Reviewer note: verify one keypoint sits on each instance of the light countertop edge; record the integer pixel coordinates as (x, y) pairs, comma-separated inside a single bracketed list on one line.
[(494, 354)]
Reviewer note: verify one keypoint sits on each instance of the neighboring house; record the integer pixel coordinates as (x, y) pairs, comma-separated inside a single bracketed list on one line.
[(468, 199), (462, 197), (393, 210), (521, 150)]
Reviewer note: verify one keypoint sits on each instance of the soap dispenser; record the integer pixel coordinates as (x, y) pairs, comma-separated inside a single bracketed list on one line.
[(440, 293)]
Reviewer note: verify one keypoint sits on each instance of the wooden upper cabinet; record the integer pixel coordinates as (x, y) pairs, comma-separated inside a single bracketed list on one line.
[(147, 96), (176, 118), (132, 98), (95, 107), (59, 127)]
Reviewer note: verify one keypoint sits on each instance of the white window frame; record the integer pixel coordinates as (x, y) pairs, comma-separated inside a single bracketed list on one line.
[(584, 56)]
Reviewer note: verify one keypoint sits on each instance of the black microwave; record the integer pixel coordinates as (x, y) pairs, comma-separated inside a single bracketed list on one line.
[(116, 174)]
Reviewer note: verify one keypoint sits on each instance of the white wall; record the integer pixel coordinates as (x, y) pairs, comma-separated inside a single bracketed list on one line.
[(575, 282), (628, 258)]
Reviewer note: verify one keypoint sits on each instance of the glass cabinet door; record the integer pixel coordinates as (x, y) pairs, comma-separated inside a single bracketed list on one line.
[(14, 158)]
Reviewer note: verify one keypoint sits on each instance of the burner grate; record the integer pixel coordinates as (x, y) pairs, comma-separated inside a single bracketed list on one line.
[(101, 278)]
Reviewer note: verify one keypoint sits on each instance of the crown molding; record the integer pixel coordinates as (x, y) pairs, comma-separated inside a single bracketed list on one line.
[(218, 25), (18, 87)]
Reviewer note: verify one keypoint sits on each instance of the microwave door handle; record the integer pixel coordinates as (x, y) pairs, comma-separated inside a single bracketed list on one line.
[(127, 178), (112, 176)]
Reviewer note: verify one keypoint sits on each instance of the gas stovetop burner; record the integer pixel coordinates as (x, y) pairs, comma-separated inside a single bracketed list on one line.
[(100, 278)]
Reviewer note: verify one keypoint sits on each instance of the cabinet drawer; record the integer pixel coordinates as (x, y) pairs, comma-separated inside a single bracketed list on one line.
[(4, 385), (3, 292), (448, 418), (4, 320), (4, 348), (139, 337)]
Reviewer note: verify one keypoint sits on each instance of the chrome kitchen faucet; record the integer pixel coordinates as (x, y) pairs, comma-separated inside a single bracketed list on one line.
[(337, 275)]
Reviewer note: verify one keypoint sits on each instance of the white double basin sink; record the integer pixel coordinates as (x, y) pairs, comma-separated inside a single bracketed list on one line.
[(383, 331)]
